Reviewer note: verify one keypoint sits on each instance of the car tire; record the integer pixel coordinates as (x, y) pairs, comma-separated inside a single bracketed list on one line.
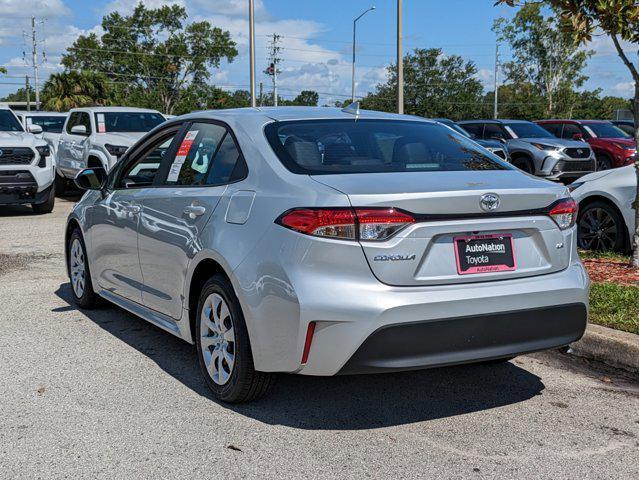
[(78, 268), (603, 162), (48, 204), (601, 227), (60, 185), (223, 346), (524, 164)]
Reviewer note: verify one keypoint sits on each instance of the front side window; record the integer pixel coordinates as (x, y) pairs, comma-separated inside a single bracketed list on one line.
[(528, 130), (107, 122), (370, 146), (51, 124), (476, 130), (141, 170), (9, 123), (493, 131)]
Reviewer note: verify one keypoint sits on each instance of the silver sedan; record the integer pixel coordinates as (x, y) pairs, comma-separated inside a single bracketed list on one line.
[(321, 241)]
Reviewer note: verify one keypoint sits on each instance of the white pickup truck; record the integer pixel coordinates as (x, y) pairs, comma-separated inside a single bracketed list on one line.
[(26, 165), (98, 137)]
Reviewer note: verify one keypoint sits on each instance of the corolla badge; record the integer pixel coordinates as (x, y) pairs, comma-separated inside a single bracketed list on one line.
[(489, 202)]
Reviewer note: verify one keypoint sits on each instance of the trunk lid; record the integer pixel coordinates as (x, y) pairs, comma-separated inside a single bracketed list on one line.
[(447, 206)]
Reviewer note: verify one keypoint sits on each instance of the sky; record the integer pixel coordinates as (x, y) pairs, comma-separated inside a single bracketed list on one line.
[(316, 39)]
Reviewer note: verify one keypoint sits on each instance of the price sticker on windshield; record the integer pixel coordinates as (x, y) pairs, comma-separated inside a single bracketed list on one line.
[(180, 158)]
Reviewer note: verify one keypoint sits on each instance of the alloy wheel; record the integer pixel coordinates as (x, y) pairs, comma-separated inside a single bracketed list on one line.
[(217, 339), (601, 164), (597, 230), (77, 267)]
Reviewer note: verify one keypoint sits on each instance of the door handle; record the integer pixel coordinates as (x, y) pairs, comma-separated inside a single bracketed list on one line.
[(131, 209), (194, 211)]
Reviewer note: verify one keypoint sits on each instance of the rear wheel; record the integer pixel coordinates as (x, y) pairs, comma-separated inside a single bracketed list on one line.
[(523, 163), (48, 204), (78, 267), (223, 346), (600, 227), (603, 162)]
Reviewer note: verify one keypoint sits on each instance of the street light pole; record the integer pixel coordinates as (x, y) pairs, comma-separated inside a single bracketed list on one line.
[(252, 50), (400, 60), (353, 64)]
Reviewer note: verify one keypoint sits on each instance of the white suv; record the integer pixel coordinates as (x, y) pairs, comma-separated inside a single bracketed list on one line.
[(26, 165), (98, 137)]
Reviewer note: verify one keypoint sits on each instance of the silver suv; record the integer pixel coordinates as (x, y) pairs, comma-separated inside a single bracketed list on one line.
[(535, 150), (98, 137), (319, 241)]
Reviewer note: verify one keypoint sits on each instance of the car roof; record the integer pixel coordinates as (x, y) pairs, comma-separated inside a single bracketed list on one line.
[(297, 113), (571, 120), (492, 120), (41, 113), (115, 109)]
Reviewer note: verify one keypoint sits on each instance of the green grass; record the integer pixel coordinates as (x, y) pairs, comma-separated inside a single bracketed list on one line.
[(613, 256), (615, 306)]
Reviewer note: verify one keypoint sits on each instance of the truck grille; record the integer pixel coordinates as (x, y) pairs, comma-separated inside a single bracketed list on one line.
[(16, 156), (584, 166), (578, 152)]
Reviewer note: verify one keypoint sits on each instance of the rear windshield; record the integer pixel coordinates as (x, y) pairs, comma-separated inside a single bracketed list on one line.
[(127, 121), (606, 130), (529, 130), (368, 146), (52, 124), (9, 123)]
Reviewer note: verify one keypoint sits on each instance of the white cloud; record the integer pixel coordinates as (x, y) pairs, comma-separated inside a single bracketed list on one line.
[(624, 88), (39, 8)]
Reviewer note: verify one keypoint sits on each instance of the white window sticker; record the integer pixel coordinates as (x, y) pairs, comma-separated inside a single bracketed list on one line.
[(180, 158), (101, 123)]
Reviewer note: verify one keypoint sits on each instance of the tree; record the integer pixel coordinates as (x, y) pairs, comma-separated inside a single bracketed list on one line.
[(544, 55), (20, 95), (152, 54), (619, 20), (67, 90), (435, 85), (3, 70), (306, 97)]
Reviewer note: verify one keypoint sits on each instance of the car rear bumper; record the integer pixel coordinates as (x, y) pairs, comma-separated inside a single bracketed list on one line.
[(465, 339)]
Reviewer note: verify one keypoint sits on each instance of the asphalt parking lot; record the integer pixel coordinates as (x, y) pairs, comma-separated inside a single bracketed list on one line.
[(102, 394)]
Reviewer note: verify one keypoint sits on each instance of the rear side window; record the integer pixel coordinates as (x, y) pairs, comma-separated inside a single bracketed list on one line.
[(554, 128), (475, 129), (370, 146), (570, 130), (207, 155)]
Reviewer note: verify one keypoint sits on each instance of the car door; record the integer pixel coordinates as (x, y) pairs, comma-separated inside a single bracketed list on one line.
[(64, 145), (116, 217), (174, 215)]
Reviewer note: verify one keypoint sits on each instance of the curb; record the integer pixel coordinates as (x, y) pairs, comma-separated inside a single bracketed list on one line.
[(612, 347)]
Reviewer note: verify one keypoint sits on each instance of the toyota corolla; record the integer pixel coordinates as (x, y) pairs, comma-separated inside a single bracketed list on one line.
[(321, 241)]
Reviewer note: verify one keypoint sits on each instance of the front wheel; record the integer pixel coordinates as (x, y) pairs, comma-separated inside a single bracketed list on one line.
[(603, 162), (600, 227), (223, 346), (48, 204), (78, 267), (524, 164)]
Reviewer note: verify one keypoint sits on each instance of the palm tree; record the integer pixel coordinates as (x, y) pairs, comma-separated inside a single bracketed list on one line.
[(73, 89)]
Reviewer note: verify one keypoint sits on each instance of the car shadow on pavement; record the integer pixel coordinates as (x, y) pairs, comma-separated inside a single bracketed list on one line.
[(342, 402)]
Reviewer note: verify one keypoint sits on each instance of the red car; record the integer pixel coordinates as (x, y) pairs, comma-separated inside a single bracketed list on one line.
[(612, 146)]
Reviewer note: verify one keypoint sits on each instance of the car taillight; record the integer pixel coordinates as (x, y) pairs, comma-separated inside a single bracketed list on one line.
[(345, 223), (564, 213)]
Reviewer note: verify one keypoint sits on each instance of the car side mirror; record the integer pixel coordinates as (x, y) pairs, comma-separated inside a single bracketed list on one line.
[(578, 136), (91, 179), (34, 129), (79, 130)]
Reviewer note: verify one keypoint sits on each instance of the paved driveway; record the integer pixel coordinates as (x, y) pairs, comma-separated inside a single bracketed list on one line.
[(102, 394)]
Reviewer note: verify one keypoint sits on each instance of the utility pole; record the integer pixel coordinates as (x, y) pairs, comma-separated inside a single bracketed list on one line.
[(34, 60), (496, 106), (353, 63), (274, 60), (252, 50), (400, 60), (26, 88)]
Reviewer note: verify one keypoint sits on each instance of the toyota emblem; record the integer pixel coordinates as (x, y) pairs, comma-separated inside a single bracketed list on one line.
[(489, 202)]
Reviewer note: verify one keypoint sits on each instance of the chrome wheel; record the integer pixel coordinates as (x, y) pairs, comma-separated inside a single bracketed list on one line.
[(77, 267), (597, 230), (217, 339)]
